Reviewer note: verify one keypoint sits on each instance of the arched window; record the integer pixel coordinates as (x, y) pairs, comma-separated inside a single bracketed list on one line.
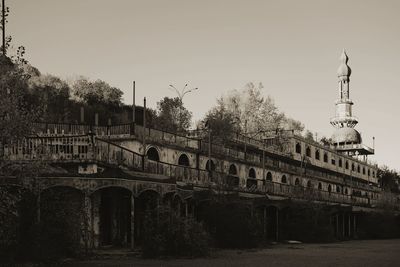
[(319, 186), (232, 170), (309, 184), (329, 188), (297, 181), (298, 148), (212, 165), (152, 154), (325, 157), (338, 189), (353, 167), (358, 169), (284, 180), (317, 154), (346, 192), (183, 160), (340, 163), (333, 161), (363, 170), (269, 176), (252, 173), (347, 165), (369, 173), (373, 174), (308, 151)]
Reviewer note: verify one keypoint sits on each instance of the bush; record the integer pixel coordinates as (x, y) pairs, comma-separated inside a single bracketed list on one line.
[(167, 234), (231, 223)]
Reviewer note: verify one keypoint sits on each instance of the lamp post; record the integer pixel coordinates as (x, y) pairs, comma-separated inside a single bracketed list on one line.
[(3, 25), (181, 93)]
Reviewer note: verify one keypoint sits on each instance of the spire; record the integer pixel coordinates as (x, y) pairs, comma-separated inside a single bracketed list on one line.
[(344, 70)]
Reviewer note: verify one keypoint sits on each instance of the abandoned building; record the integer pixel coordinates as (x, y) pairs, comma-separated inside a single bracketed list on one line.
[(119, 170)]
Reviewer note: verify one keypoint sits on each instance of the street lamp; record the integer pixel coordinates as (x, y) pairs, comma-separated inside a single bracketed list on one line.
[(183, 92)]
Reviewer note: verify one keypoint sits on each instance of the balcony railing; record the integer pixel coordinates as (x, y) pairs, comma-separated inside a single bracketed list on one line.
[(88, 147)]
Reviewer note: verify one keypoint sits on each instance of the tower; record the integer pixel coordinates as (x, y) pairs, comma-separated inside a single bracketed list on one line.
[(346, 138)]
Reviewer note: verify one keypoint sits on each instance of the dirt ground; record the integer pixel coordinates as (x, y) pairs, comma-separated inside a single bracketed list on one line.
[(376, 253)]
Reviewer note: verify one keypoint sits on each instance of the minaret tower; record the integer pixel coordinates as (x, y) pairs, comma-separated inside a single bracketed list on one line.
[(343, 117), (345, 137)]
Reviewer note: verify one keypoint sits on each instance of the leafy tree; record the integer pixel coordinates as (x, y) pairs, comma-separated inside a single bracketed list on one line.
[(97, 92), (252, 113), (172, 116), (221, 122), (309, 135), (389, 179)]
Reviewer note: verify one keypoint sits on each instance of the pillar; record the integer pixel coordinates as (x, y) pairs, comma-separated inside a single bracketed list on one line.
[(337, 225), (343, 225), (132, 221), (186, 209), (277, 224), (264, 222), (96, 200), (354, 226), (87, 238), (349, 216)]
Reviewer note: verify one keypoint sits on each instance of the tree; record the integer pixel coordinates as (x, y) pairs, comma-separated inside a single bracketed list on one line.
[(389, 179), (172, 116), (221, 122), (252, 113), (309, 135), (97, 92)]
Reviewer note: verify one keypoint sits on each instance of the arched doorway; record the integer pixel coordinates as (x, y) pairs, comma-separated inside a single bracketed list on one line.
[(152, 154)]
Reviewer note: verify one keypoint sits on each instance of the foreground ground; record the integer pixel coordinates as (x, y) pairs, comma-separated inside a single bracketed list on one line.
[(352, 253)]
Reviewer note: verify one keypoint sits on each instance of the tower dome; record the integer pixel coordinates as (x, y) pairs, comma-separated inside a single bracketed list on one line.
[(344, 70), (346, 135)]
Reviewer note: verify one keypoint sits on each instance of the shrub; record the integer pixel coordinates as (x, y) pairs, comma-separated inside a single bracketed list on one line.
[(167, 234)]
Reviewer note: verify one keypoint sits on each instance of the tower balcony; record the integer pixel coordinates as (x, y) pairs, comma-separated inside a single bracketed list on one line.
[(340, 122)]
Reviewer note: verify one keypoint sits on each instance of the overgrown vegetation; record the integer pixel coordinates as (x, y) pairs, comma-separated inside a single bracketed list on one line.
[(168, 234)]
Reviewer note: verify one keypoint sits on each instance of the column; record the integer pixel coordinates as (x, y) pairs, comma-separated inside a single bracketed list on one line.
[(265, 222), (87, 237), (349, 225), (277, 224), (343, 225), (132, 221)]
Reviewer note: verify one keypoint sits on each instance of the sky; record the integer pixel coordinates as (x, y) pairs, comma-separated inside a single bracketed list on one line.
[(292, 47)]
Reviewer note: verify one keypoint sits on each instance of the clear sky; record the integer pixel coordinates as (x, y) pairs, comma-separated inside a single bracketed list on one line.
[(292, 47)]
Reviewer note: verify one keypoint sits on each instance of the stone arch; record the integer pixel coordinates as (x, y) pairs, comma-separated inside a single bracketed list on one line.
[(325, 157), (252, 173), (298, 148), (153, 153), (317, 156), (338, 189), (284, 179), (233, 170), (319, 186), (95, 190), (213, 167), (184, 160), (269, 176), (297, 182), (308, 151)]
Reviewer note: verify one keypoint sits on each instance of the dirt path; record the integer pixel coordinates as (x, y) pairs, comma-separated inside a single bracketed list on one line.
[(374, 253)]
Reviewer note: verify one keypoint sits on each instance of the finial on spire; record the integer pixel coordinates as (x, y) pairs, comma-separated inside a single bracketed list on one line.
[(344, 70), (344, 58)]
